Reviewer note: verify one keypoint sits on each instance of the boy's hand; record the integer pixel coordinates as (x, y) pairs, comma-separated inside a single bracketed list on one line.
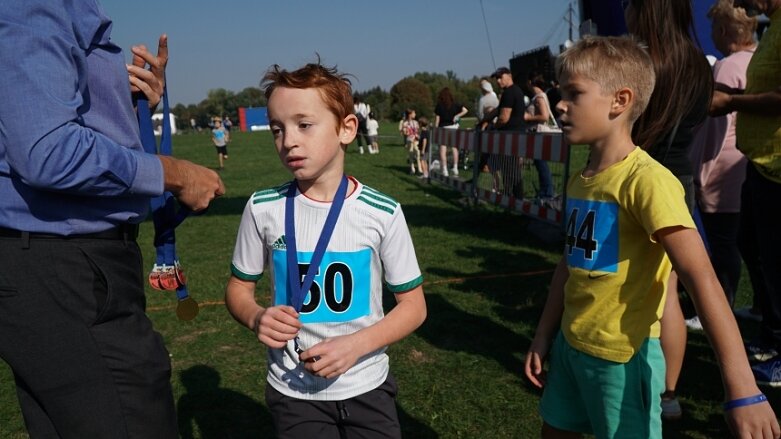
[(276, 325), (332, 356), (535, 359), (753, 421)]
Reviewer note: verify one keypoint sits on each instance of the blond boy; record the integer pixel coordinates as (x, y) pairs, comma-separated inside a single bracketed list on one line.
[(627, 226), (328, 373)]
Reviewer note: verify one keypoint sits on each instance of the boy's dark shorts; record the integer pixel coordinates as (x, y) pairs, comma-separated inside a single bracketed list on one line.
[(370, 415), (222, 150)]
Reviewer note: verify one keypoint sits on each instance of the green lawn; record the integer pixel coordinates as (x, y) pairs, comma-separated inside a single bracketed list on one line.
[(460, 375)]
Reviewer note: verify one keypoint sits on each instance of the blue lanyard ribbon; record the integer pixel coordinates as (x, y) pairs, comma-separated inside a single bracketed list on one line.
[(164, 214), (300, 287)]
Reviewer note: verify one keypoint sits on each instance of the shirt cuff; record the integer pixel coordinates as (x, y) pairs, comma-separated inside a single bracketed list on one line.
[(149, 175)]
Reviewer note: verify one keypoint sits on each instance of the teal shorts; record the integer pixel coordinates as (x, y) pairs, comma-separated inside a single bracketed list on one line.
[(610, 400)]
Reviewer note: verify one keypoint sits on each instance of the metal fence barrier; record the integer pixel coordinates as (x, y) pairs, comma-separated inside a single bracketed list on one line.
[(503, 168)]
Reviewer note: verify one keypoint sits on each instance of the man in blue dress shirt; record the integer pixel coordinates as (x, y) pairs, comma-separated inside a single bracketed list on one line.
[(74, 184)]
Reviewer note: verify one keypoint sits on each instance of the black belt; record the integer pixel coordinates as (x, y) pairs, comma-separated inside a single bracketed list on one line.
[(127, 232)]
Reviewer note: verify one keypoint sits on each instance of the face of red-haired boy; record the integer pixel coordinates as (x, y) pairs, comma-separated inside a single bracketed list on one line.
[(306, 134)]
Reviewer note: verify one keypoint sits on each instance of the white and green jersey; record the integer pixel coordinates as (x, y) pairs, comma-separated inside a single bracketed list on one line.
[(371, 237)]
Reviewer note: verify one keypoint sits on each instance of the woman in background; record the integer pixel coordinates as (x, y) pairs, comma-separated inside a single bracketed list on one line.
[(448, 113), (684, 85)]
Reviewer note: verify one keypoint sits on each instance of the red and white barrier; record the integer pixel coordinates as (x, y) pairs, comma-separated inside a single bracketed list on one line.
[(543, 146)]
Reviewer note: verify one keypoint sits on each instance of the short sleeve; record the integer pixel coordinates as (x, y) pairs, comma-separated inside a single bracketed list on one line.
[(249, 255), (397, 253), (656, 200)]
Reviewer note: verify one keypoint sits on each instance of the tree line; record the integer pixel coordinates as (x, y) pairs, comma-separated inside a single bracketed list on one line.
[(418, 91)]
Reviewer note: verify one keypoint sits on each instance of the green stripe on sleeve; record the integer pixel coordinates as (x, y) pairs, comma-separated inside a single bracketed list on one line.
[(375, 205), (379, 195), (244, 276), (407, 286), (379, 199)]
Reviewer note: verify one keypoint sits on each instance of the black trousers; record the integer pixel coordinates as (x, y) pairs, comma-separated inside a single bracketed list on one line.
[(759, 213), (721, 229), (371, 415), (85, 358)]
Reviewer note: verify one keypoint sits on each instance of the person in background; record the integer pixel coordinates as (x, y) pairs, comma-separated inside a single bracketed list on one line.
[(758, 131), (486, 115), (423, 146), (554, 96), (372, 129), (719, 168), (448, 112), (679, 103), (401, 127), (486, 104), (75, 183), (510, 117), (362, 110), (540, 115), (411, 130), (220, 139), (227, 124)]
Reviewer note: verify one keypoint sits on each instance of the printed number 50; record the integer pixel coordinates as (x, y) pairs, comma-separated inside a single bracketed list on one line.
[(329, 282)]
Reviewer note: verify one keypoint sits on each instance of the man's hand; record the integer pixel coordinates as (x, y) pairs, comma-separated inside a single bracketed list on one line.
[(150, 82), (193, 185), (720, 104)]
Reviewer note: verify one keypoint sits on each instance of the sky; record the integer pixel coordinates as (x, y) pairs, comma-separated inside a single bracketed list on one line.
[(230, 43)]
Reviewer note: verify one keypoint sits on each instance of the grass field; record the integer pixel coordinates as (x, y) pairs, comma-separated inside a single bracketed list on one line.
[(459, 375)]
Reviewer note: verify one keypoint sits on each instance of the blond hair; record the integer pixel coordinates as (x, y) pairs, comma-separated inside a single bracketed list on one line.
[(613, 63), (739, 26)]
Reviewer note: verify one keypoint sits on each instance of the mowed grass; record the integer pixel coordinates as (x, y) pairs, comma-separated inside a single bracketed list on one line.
[(460, 375)]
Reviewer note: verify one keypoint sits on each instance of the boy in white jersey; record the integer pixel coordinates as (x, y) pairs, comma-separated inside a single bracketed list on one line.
[(328, 372), (625, 216)]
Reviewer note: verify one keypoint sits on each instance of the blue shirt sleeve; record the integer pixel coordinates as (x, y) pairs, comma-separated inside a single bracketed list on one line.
[(66, 125)]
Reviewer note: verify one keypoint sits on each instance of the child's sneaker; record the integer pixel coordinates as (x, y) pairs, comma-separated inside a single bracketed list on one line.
[(760, 350), (671, 409), (768, 373), (360, 149), (694, 323), (454, 171), (445, 173)]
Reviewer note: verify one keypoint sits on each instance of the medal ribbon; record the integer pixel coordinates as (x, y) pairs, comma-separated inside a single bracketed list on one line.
[(163, 207), (300, 287)]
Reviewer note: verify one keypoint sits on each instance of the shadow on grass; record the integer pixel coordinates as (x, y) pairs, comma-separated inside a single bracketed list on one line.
[(413, 428), (217, 412), (454, 329)]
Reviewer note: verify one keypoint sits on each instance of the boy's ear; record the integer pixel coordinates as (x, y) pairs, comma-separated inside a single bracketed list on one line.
[(348, 129), (622, 101)]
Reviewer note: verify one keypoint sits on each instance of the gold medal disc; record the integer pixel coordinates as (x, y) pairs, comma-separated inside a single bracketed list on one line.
[(187, 309)]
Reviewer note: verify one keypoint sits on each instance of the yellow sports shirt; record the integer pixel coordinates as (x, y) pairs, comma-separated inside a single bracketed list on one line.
[(759, 136), (618, 273)]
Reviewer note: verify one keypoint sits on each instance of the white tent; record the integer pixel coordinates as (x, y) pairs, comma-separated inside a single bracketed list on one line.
[(157, 123)]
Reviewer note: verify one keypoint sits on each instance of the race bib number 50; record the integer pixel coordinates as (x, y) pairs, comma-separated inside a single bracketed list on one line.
[(340, 291)]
